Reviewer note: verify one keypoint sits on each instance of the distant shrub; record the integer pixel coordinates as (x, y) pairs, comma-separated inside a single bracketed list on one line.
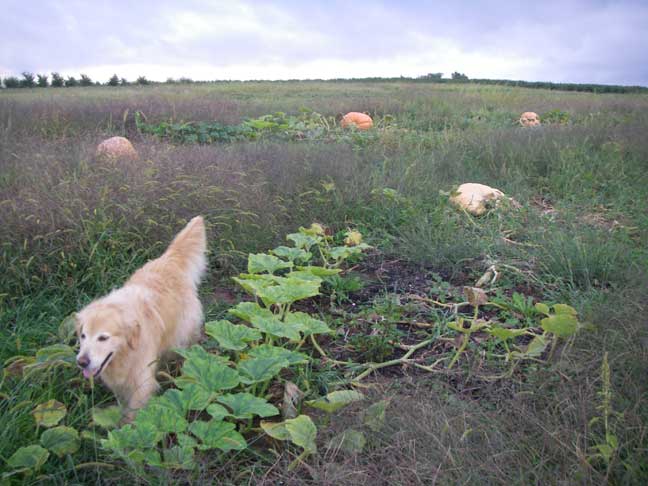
[(28, 80), (57, 80), (71, 82), (12, 82), (124, 82), (142, 81), (85, 80), (43, 81), (113, 81)]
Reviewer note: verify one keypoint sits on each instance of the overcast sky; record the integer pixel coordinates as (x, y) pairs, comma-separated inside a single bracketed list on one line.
[(540, 40)]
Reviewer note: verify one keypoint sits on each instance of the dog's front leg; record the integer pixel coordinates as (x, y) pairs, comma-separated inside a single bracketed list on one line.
[(145, 386)]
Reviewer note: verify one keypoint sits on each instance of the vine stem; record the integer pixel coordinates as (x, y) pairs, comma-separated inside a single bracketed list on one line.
[(323, 354), (402, 360)]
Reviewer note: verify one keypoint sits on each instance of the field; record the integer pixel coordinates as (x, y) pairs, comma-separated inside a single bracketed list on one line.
[(462, 405)]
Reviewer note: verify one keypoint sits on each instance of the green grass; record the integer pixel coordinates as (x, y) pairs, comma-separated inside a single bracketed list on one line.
[(73, 228)]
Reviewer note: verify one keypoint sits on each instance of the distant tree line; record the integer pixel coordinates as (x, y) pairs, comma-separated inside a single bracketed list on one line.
[(29, 80)]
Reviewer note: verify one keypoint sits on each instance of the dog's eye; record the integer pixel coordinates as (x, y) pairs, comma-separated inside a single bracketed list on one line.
[(82, 336), (102, 338)]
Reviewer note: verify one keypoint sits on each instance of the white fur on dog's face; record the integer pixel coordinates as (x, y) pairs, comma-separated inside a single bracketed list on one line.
[(101, 334)]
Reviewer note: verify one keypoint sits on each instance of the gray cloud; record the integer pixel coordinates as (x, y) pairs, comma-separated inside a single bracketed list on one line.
[(579, 41)]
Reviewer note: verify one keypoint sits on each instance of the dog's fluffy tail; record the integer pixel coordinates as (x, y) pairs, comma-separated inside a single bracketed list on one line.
[(188, 249)]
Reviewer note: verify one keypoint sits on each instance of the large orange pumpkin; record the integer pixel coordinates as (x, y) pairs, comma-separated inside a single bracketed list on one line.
[(116, 148), (529, 119), (360, 120)]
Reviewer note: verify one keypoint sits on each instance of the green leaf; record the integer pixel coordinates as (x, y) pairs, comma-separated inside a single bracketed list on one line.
[(128, 437), (209, 372), (292, 254), (67, 329), (535, 348), (197, 352), (562, 325), (289, 290), (319, 271), (504, 333), (277, 328), (303, 241), (336, 400), (178, 457), (61, 440), (107, 417), (300, 431), (542, 308), (262, 262), (351, 441), (374, 416), (246, 405), (270, 351), (163, 415), (217, 412), (253, 285), (256, 370), (191, 397), (28, 458), (247, 310), (216, 434), (50, 413), (565, 309), (307, 324), (231, 336), (185, 440)]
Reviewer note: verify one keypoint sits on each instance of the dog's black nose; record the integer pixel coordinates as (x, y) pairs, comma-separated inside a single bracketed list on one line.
[(83, 361)]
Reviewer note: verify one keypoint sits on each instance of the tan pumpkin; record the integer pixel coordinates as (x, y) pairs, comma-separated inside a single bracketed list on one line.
[(116, 148), (474, 198), (360, 120), (529, 119)]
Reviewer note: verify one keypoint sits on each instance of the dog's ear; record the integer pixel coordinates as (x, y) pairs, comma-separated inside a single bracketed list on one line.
[(133, 334)]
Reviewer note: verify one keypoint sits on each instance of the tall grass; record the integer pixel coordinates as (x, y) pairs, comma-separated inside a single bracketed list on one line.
[(74, 227)]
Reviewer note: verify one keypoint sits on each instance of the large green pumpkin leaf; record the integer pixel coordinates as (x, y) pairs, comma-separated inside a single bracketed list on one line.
[(28, 458), (351, 441), (276, 328), (565, 309), (246, 405), (305, 242), (253, 286), (209, 372), (107, 417), (504, 333), (216, 434), (191, 397), (562, 325), (289, 290), (262, 262), (256, 370), (302, 432), (270, 351), (336, 400), (178, 457), (374, 416), (319, 271), (61, 440), (163, 415), (217, 411), (50, 413), (144, 436), (247, 310), (231, 336), (292, 254), (306, 323)]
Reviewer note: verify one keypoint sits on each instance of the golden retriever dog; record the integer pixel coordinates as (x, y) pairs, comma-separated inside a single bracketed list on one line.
[(123, 334)]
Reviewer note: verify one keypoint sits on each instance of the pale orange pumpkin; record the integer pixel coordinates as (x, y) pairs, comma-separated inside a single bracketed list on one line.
[(360, 120), (116, 148), (529, 119)]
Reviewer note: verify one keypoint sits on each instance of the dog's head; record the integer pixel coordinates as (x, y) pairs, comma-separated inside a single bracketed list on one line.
[(103, 330)]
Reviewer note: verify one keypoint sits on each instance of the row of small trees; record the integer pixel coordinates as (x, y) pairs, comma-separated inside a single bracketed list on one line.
[(30, 80)]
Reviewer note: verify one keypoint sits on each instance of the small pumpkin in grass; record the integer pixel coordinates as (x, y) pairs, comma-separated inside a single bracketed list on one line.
[(475, 198), (116, 148), (529, 119), (360, 120)]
